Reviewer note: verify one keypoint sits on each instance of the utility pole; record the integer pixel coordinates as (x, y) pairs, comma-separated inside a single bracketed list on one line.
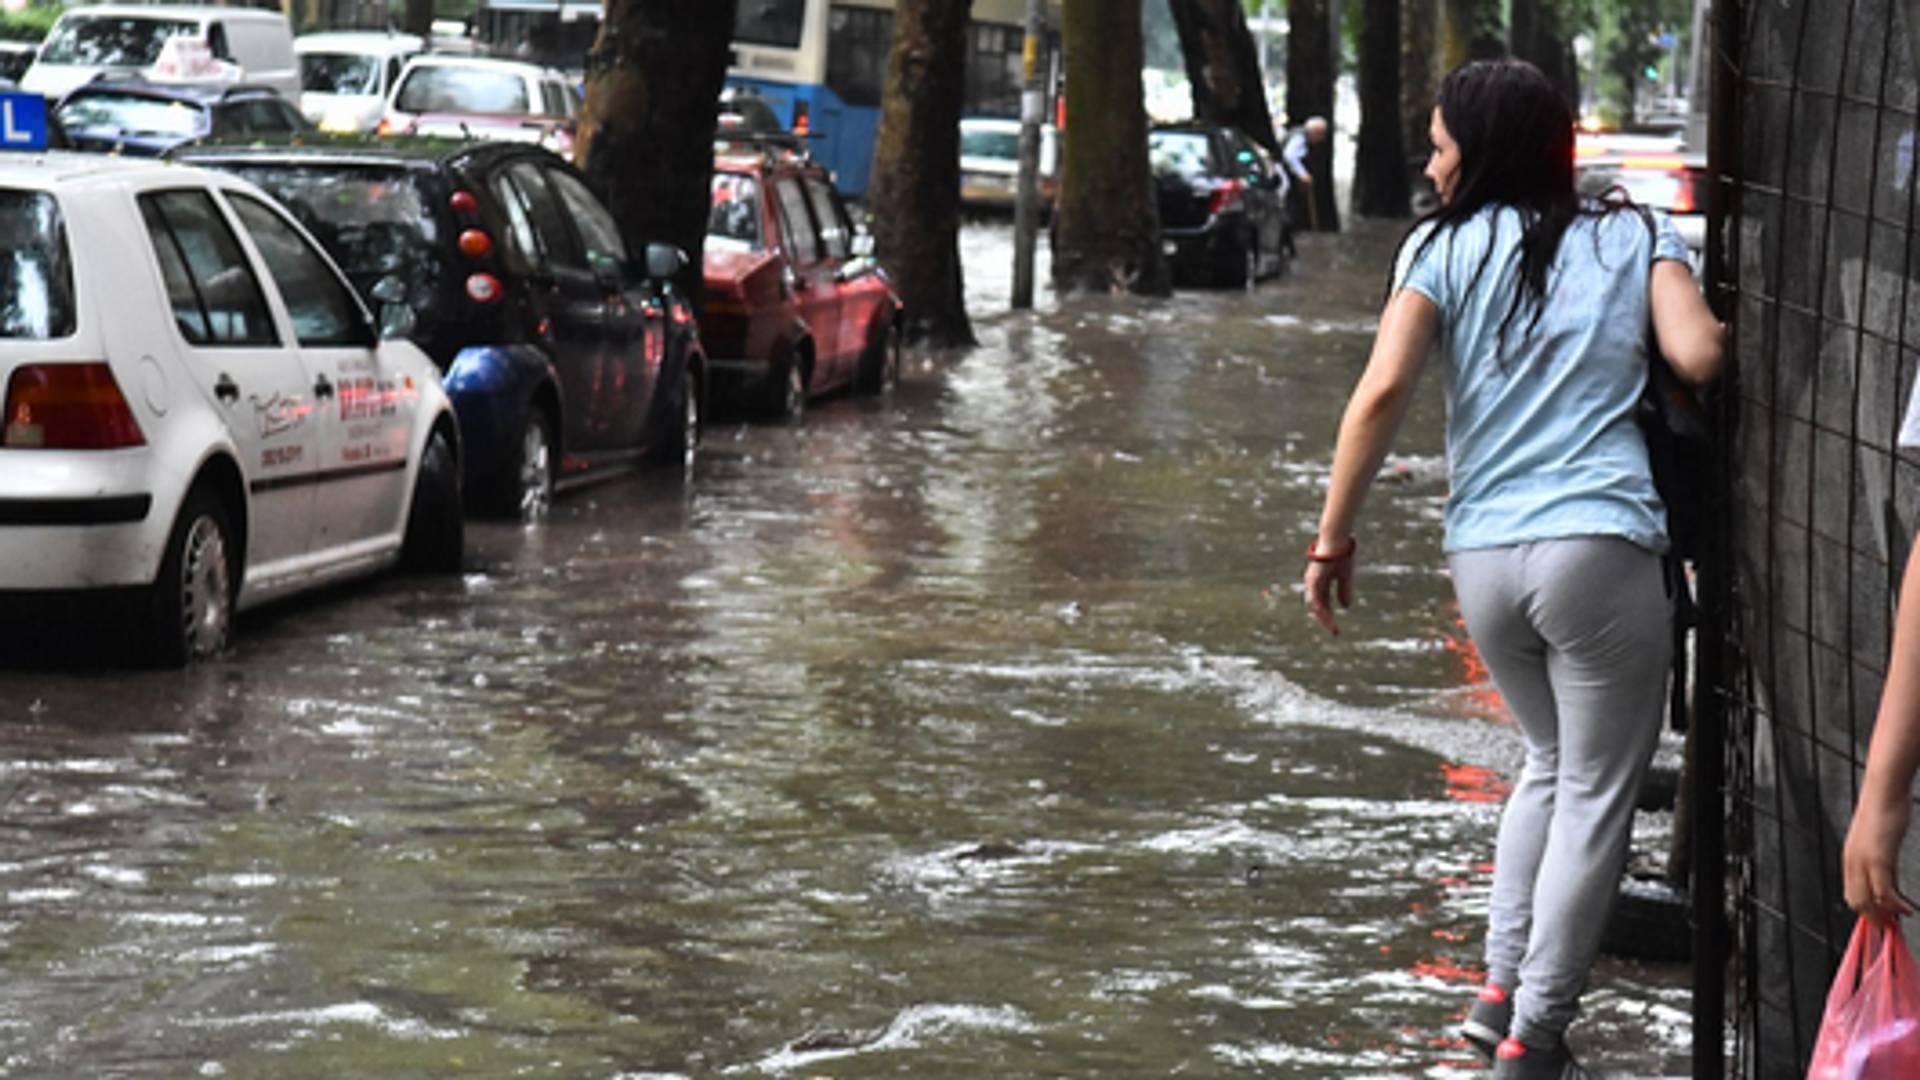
[(1026, 208)]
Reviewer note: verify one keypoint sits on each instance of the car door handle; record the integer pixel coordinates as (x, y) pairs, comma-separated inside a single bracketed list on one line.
[(226, 389), (323, 388)]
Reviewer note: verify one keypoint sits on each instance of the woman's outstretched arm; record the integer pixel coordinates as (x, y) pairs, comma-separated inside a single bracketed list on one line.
[(1870, 862), (1373, 415), (1691, 339)]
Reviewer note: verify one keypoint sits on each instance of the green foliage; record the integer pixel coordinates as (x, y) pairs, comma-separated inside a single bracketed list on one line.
[(27, 24), (1626, 47)]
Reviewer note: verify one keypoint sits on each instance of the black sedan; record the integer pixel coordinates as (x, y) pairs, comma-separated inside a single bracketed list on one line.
[(1222, 218), (567, 359), (135, 117)]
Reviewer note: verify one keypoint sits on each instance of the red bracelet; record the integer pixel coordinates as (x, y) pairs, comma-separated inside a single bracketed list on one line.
[(1314, 555)]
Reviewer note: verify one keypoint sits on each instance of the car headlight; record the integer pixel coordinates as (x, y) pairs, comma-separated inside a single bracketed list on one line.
[(341, 121)]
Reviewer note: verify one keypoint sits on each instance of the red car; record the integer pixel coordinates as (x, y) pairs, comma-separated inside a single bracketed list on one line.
[(795, 305)]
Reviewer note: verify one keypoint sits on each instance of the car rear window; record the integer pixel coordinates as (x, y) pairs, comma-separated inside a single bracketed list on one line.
[(36, 268), (339, 73), (733, 224), (975, 142), (374, 220), (109, 40), (1178, 153), (462, 89), (131, 114)]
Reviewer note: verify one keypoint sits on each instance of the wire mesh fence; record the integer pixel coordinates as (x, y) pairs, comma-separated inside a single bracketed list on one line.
[(1815, 260)]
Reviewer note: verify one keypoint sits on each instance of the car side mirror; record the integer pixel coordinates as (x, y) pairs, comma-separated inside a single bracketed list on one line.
[(664, 261), (396, 317)]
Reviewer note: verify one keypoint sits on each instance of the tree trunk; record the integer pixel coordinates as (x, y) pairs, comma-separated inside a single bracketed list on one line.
[(1380, 165), (419, 17), (1106, 233), (1470, 30), (1312, 65), (915, 189), (646, 132), (1419, 79), (1535, 36), (1224, 67)]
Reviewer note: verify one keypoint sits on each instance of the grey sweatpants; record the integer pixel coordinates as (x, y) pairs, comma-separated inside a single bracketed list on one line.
[(1575, 633)]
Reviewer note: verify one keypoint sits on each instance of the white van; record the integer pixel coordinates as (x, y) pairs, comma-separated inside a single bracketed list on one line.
[(345, 75), (127, 39)]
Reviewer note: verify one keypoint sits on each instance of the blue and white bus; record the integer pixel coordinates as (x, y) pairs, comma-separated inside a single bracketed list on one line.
[(822, 65)]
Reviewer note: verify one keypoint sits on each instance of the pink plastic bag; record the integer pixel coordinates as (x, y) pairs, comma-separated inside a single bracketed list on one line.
[(1871, 1030)]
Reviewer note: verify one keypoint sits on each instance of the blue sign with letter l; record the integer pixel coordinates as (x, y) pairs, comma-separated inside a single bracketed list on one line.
[(23, 122)]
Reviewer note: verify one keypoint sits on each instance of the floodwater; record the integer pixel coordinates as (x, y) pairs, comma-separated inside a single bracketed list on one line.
[(975, 732)]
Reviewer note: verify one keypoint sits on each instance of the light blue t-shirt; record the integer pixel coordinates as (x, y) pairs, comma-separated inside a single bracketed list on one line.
[(1541, 441)]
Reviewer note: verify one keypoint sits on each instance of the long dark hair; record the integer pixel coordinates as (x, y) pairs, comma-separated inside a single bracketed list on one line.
[(1515, 134)]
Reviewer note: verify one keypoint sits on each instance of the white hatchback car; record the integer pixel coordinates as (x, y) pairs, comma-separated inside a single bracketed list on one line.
[(345, 75), (480, 98), (198, 410)]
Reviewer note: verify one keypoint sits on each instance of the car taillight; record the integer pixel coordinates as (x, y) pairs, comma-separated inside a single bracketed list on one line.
[(1226, 196), (463, 202), (384, 127), (483, 288), (68, 407), (475, 243), (1683, 198), (801, 125)]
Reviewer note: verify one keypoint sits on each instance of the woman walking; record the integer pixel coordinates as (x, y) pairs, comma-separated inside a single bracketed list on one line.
[(1537, 300)]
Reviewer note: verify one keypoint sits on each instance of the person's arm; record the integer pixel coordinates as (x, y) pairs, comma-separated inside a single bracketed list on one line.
[(1870, 862), (1294, 154), (1373, 416), (1691, 339)]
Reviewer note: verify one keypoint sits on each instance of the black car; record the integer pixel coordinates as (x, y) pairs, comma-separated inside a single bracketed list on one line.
[(565, 357), (1222, 218), (135, 117)]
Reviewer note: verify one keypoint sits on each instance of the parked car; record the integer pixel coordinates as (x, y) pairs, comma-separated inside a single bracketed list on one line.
[(990, 162), (133, 116), (473, 97), (795, 305), (566, 359), (15, 58), (1673, 180), (198, 411), (1222, 217), (345, 75), (255, 45)]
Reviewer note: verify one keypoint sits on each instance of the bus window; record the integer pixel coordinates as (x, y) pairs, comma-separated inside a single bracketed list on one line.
[(770, 22)]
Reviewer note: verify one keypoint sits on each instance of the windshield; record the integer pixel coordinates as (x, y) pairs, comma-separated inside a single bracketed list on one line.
[(110, 40), (1178, 153), (734, 222), (36, 271), (438, 88), (770, 22), (989, 143), (339, 73), (128, 114), (375, 221)]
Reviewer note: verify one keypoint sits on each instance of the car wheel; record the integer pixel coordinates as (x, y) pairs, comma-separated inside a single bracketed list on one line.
[(1232, 263), (679, 438), (789, 400), (524, 488), (436, 532), (190, 605), (880, 364)]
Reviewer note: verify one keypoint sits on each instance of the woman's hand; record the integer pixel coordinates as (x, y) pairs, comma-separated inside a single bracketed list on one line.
[(1870, 862), (1329, 574)]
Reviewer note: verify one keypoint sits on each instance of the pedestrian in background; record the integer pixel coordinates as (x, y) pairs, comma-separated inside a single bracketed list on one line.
[(1293, 158), (1537, 300), (1870, 862)]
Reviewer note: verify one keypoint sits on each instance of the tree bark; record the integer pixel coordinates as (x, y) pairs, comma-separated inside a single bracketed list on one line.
[(915, 189), (1107, 228), (1312, 65), (1223, 67), (1419, 79), (1535, 35), (1470, 30), (1380, 165), (646, 131), (419, 17)]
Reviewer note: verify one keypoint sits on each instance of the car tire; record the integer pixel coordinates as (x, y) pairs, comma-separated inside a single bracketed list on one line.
[(523, 488), (787, 391), (679, 437), (436, 531), (1232, 263), (190, 605), (880, 363)]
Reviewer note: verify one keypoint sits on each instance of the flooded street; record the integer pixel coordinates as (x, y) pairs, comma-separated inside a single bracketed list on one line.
[(979, 731)]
